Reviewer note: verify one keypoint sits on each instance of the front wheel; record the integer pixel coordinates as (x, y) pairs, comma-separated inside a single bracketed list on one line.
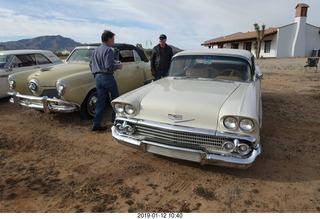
[(88, 106)]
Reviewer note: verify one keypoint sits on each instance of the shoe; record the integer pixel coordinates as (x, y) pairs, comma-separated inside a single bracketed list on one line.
[(98, 128)]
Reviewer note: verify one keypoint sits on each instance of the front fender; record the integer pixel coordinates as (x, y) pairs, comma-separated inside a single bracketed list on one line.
[(77, 86), (147, 73), (21, 81)]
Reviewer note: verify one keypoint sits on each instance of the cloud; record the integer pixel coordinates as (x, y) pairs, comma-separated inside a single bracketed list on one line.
[(186, 23)]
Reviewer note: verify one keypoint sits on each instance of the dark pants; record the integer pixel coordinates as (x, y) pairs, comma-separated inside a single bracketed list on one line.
[(160, 73), (105, 84)]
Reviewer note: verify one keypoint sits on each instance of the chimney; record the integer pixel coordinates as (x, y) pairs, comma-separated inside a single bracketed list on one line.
[(300, 40), (301, 10)]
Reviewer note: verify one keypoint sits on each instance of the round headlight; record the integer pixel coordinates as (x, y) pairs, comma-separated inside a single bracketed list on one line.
[(60, 87), (246, 125), (129, 109), (33, 86), (119, 107), (12, 82), (230, 123), (120, 127), (228, 146), (129, 129), (243, 149)]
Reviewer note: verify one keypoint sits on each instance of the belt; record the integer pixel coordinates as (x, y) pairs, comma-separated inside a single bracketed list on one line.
[(102, 73)]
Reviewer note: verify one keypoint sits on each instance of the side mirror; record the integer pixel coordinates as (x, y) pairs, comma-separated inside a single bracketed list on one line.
[(258, 73)]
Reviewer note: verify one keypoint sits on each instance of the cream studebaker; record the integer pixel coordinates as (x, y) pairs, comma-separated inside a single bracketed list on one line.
[(208, 110), (70, 87)]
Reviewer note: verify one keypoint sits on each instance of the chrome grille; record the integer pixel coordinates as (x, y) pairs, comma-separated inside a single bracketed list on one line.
[(203, 142)]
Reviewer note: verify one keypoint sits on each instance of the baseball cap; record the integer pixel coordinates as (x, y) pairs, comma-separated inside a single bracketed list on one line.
[(163, 36)]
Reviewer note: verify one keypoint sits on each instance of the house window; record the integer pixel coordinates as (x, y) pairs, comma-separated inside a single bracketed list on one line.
[(235, 46), (247, 46), (267, 46)]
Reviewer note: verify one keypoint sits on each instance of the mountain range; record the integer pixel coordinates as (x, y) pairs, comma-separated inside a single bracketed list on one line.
[(53, 43)]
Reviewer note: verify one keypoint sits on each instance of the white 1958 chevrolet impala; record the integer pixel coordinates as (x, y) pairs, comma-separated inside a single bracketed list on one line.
[(208, 110)]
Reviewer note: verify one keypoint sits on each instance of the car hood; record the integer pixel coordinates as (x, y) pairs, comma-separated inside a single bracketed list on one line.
[(191, 103), (48, 76)]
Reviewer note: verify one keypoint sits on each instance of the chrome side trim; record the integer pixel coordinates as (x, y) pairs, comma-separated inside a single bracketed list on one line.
[(44, 103)]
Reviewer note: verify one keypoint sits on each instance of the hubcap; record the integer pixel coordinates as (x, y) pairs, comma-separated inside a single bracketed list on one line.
[(92, 103)]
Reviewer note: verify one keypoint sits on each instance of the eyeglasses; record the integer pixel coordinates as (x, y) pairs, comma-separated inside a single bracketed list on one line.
[(162, 38)]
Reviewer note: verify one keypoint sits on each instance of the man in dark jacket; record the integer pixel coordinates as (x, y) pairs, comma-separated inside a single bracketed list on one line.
[(161, 58)]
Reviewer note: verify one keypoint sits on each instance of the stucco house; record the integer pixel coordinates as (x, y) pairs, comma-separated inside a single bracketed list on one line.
[(298, 39)]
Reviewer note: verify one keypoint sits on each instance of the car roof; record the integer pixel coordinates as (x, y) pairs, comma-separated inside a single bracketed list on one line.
[(120, 46), (23, 51), (245, 54)]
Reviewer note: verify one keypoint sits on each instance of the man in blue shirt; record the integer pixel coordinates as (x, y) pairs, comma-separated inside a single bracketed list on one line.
[(103, 65)]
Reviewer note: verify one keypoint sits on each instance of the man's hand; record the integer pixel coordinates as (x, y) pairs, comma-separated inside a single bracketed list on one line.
[(119, 64)]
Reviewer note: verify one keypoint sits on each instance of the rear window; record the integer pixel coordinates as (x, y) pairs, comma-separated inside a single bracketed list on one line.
[(42, 60), (25, 60)]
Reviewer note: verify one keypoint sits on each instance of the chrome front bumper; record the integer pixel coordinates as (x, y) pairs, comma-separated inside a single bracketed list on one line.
[(44, 103), (186, 153)]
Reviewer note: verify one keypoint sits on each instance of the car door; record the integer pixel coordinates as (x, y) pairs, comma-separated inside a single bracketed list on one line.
[(131, 76), (6, 69), (4, 86)]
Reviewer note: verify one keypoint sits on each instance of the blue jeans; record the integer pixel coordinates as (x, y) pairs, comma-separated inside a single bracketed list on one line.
[(105, 84), (160, 74)]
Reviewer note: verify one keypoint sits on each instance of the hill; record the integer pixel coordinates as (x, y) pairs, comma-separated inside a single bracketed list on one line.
[(53, 43)]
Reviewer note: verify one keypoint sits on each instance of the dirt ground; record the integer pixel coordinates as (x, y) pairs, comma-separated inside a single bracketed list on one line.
[(53, 163)]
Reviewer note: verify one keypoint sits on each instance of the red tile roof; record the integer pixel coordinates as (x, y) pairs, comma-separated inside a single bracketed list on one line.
[(236, 37)]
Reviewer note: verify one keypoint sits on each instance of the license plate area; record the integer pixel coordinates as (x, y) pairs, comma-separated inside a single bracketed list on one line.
[(175, 153)]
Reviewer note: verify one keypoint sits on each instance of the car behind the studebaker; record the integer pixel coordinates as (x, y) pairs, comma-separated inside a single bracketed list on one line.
[(208, 110), (23, 60)]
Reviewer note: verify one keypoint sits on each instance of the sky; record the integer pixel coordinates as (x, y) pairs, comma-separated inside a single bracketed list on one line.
[(187, 23)]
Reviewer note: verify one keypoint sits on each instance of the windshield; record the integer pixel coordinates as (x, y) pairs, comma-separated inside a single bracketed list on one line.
[(3, 60), (210, 67), (80, 55)]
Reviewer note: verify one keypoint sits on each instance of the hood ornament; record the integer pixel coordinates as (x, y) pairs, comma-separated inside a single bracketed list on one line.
[(176, 118)]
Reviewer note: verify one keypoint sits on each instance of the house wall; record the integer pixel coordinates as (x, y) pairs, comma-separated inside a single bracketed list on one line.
[(313, 39), (229, 45), (300, 38), (273, 49), (285, 38)]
